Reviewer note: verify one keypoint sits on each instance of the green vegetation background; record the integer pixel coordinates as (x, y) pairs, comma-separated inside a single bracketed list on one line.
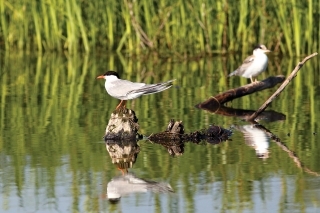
[(182, 27)]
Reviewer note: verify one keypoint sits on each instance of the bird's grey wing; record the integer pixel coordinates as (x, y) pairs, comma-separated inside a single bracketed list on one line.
[(245, 64), (249, 59), (152, 88), (123, 87)]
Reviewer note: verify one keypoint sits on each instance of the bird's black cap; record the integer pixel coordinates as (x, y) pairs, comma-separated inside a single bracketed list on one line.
[(110, 72), (257, 46)]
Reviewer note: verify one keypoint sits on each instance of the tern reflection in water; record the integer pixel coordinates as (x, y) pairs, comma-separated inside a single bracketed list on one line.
[(129, 184), (255, 138)]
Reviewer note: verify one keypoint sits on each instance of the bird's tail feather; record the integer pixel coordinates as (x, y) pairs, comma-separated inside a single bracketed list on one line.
[(154, 88), (233, 73)]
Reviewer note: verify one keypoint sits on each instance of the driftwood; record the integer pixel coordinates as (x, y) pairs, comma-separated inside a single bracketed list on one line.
[(281, 88), (173, 138), (214, 103)]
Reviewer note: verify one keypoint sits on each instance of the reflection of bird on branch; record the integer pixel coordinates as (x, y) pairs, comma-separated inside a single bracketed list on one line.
[(256, 138), (291, 154), (128, 184)]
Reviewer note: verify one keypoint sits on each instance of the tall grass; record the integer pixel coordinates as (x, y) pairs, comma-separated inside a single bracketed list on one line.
[(181, 27)]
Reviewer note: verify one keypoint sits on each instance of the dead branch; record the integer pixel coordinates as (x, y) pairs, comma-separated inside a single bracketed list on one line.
[(214, 103), (281, 88)]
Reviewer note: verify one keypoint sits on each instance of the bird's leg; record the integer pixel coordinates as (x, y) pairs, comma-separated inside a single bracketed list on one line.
[(256, 81), (124, 103), (251, 79), (121, 104)]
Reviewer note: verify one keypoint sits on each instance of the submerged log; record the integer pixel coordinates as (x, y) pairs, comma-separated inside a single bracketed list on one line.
[(214, 103), (123, 125), (174, 132), (175, 136), (171, 138)]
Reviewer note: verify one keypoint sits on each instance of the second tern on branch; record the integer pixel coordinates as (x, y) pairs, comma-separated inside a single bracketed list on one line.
[(254, 64), (126, 90)]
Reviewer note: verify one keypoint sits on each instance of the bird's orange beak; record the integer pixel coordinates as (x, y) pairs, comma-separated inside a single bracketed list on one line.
[(101, 76)]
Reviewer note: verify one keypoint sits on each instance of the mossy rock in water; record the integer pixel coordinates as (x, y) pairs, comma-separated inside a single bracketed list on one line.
[(123, 124)]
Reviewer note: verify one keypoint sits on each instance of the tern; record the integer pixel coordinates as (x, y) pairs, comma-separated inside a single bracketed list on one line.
[(254, 64), (126, 90)]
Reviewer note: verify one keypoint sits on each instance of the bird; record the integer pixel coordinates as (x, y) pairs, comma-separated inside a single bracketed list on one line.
[(126, 90), (253, 65)]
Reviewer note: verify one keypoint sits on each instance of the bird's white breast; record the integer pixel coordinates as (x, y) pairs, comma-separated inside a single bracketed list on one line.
[(259, 65), (119, 88)]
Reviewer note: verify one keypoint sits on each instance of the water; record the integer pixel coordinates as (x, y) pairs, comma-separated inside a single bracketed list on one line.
[(53, 159)]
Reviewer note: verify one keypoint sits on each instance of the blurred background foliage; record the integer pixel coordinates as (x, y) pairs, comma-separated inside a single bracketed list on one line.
[(183, 28)]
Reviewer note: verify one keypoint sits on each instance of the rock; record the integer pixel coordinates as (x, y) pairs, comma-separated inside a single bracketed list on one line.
[(123, 124)]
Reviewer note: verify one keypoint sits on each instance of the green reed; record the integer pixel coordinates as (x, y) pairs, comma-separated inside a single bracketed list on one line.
[(181, 27)]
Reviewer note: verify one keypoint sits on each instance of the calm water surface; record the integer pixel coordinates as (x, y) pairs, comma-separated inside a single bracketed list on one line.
[(53, 159)]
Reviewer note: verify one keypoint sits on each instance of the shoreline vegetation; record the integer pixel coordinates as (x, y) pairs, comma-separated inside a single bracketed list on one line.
[(183, 28)]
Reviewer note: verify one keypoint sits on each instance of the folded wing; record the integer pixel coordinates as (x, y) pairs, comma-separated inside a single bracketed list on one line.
[(152, 88)]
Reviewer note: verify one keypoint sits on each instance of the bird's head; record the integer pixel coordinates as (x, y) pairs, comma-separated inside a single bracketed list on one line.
[(261, 48), (109, 73)]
